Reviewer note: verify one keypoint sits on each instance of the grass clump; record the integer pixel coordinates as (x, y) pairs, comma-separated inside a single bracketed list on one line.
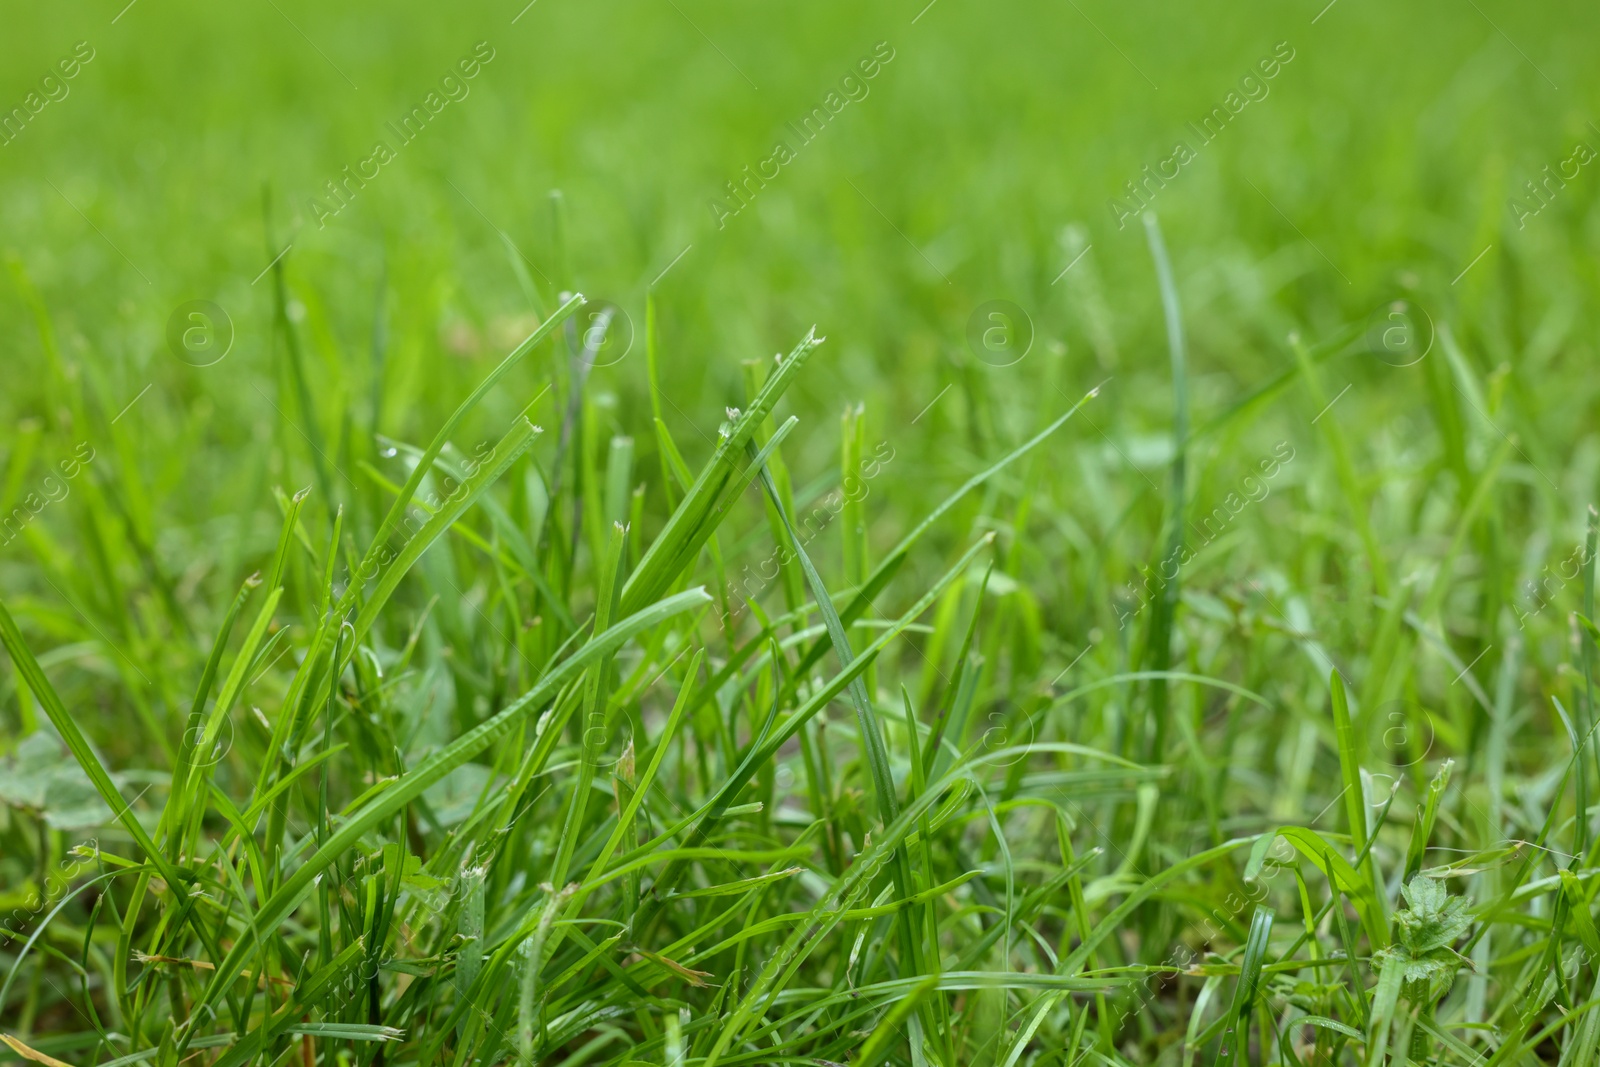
[(1177, 652)]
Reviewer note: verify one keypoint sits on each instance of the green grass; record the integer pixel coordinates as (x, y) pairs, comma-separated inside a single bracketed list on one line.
[(926, 616)]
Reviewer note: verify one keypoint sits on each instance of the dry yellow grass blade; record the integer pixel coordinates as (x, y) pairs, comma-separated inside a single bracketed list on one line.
[(31, 1053)]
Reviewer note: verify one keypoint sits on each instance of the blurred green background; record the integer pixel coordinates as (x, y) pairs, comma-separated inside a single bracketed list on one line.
[(1390, 142), (1377, 168)]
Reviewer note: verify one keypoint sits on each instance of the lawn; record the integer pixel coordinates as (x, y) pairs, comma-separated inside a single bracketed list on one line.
[(693, 533)]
